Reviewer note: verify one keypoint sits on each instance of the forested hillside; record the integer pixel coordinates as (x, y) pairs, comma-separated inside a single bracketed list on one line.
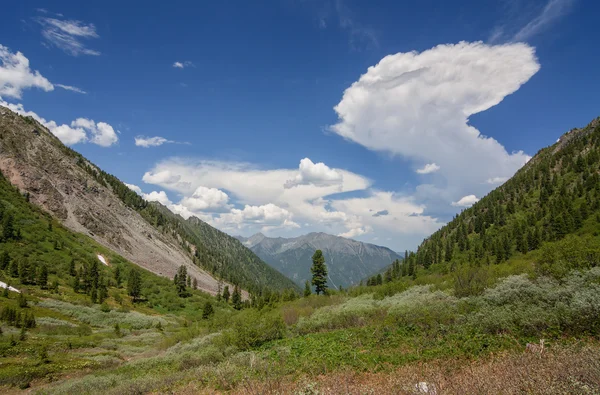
[(552, 202), (88, 200)]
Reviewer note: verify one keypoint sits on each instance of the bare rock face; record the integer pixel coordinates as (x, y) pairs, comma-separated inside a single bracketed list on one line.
[(35, 161)]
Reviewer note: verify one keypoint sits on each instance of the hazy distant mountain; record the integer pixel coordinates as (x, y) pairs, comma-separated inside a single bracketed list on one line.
[(348, 260)]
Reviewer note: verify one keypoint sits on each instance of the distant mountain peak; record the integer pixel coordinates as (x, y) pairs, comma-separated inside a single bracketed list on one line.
[(348, 260)]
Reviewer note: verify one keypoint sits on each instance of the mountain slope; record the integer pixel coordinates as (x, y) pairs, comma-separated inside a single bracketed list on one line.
[(348, 261), (88, 200), (552, 204)]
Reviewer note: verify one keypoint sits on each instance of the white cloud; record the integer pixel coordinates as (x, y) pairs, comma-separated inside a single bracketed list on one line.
[(496, 180), (15, 75), (429, 168), (553, 10), (79, 131), (71, 88), (67, 35), (67, 134), (157, 196), (354, 232), (146, 142), (206, 199), (163, 177), (99, 133), (134, 188), (268, 216), (417, 105), (317, 174), (155, 141), (466, 201), (182, 65), (387, 210), (263, 192)]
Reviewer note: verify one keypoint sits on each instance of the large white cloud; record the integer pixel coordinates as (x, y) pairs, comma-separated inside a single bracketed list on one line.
[(466, 201), (268, 204), (315, 174), (157, 196), (417, 105), (267, 216), (134, 188), (16, 75), (99, 133), (80, 130), (206, 199)]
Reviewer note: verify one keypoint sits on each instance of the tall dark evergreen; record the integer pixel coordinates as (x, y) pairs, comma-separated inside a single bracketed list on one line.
[(181, 281), (319, 272), (236, 298), (134, 284), (226, 294)]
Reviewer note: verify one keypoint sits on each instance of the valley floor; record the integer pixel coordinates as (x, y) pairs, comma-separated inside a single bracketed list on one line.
[(565, 370)]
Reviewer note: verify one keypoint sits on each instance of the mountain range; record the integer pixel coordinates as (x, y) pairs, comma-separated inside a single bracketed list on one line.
[(348, 261)]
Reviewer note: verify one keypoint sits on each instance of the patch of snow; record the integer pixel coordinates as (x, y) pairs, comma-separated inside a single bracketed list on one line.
[(101, 258), (4, 285)]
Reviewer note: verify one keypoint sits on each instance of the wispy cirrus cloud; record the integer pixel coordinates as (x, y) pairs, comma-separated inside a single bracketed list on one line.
[(68, 35), (337, 13), (523, 22), (183, 65), (156, 141), (71, 88), (553, 10)]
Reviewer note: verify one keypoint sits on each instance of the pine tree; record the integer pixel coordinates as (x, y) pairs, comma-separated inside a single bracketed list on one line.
[(21, 300), (236, 298), (208, 310), (226, 294), (448, 251), (181, 281), (195, 283), (8, 229), (72, 271), (24, 271), (307, 290), (102, 292), (117, 276), (4, 260), (42, 279), (388, 276), (94, 295), (134, 285), (319, 272)]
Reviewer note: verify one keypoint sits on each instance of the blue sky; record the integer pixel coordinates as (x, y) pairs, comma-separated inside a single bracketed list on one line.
[(374, 120)]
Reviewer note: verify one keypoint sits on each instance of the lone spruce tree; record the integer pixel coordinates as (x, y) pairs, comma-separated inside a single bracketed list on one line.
[(319, 272), (181, 281)]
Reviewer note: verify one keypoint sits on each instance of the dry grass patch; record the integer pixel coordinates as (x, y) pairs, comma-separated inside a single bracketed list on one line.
[(562, 371)]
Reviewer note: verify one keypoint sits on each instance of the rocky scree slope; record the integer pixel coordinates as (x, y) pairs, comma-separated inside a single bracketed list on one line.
[(87, 200)]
